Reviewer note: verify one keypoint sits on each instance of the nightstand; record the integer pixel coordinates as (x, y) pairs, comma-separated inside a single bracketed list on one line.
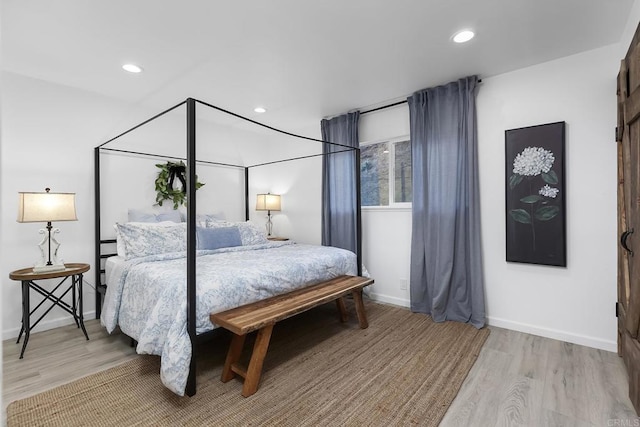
[(277, 239), (28, 279)]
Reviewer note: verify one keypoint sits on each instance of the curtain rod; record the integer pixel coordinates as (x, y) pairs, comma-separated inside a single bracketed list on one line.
[(392, 104), (384, 107)]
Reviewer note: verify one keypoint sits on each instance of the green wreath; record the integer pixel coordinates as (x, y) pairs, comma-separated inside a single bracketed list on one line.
[(165, 189)]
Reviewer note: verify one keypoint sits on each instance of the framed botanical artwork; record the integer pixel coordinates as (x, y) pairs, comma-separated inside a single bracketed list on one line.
[(535, 194)]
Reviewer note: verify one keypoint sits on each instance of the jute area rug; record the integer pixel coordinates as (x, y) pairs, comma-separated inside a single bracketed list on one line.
[(403, 370)]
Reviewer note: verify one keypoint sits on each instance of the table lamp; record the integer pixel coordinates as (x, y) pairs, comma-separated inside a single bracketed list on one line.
[(268, 202), (47, 207)]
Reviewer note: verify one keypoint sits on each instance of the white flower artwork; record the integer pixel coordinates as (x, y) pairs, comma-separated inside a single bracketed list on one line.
[(530, 163), (547, 191), (535, 194), (533, 161)]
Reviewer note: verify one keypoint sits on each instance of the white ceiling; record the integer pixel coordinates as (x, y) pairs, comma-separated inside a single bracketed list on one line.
[(303, 60)]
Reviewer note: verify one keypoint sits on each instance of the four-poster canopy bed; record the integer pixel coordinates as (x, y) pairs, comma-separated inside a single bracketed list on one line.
[(312, 265)]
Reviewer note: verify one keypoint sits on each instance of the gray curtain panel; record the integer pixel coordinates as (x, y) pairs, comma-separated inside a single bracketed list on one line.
[(338, 182), (446, 279)]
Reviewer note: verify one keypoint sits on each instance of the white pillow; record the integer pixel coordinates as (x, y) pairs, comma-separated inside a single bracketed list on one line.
[(140, 239), (120, 248), (137, 215), (252, 234), (211, 221)]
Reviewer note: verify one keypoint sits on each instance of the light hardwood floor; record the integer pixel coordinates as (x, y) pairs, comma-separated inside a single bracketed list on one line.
[(519, 379), (58, 356)]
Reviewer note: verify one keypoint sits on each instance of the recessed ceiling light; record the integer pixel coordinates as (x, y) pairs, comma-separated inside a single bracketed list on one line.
[(132, 68), (260, 110), (463, 36)]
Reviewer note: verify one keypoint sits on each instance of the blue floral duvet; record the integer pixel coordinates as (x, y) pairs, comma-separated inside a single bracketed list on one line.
[(146, 297)]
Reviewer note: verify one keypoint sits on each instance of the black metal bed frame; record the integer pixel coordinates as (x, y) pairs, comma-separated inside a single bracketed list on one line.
[(191, 212)]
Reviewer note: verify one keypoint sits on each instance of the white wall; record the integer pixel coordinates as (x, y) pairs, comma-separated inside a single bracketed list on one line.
[(386, 242), (300, 185), (575, 303), (299, 182), (629, 29)]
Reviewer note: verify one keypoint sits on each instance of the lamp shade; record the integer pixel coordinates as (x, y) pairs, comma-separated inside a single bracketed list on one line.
[(45, 207), (268, 202)]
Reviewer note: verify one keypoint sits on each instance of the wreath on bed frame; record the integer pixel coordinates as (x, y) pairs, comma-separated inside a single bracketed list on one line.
[(165, 189)]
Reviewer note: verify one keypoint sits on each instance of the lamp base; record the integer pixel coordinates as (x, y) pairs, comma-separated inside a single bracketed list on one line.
[(49, 251), (48, 268), (269, 224)]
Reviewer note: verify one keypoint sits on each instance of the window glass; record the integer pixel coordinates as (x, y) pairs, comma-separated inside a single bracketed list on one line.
[(385, 173), (402, 172), (374, 174)]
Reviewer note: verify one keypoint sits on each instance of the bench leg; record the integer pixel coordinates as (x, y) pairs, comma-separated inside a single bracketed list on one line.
[(362, 315), (254, 371), (235, 351), (342, 310)]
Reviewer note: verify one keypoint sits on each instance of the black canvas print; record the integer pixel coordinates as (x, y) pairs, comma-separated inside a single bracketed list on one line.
[(535, 194)]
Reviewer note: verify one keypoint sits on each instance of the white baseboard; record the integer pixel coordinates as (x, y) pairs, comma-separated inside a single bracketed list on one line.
[(46, 324), (401, 302), (554, 334)]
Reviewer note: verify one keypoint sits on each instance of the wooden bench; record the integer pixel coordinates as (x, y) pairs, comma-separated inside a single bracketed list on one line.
[(263, 315)]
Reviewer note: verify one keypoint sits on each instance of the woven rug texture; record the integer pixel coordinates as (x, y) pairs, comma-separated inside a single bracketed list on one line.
[(403, 370)]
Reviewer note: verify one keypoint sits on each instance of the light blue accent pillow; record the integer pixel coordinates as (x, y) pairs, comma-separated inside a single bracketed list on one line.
[(216, 238), (136, 215)]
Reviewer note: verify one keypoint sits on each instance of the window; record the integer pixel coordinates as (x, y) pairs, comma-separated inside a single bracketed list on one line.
[(385, 173)]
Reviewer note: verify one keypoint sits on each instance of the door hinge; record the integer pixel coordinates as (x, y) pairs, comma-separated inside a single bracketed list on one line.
[(616, 309)]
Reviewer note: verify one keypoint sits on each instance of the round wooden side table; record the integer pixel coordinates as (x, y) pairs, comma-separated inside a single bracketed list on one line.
[(28, 279)]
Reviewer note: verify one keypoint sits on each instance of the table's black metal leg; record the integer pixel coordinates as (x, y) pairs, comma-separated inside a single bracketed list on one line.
[(74, 304), (80, 314), (25, 315), (21, 331)]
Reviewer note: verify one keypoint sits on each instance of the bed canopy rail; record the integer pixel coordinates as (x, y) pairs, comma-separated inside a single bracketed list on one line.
[(191, 160)]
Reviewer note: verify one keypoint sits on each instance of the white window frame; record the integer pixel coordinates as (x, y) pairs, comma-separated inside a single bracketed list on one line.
[(392, 169)]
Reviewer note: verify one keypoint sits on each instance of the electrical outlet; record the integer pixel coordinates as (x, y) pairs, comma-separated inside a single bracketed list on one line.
[(403, 284)]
